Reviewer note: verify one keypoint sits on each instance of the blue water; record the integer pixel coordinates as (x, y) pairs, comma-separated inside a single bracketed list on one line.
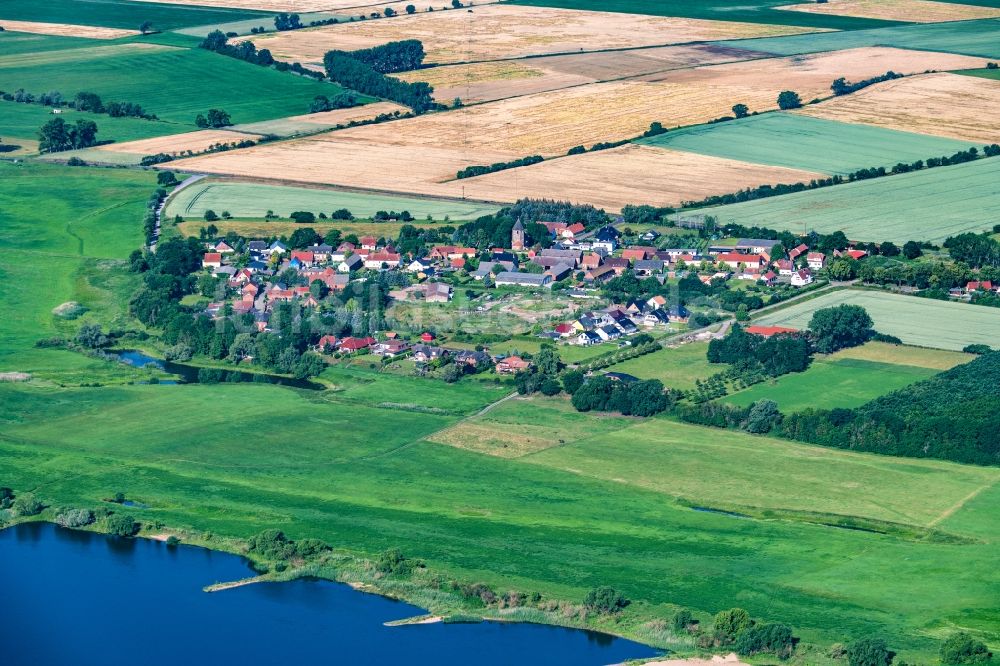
[(79, 598)]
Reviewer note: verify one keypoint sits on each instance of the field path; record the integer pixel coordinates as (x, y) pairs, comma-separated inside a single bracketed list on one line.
[(950, 511)]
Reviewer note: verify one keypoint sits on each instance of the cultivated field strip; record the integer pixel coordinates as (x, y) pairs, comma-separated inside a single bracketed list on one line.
[(916, 321), (66, 30), (914, 11), (950, 105), (925, 205)]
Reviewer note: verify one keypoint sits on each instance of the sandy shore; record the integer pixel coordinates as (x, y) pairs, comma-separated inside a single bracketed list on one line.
[(730, 660)]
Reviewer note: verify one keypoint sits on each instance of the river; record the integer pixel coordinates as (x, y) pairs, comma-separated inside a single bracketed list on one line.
[(79, 598)]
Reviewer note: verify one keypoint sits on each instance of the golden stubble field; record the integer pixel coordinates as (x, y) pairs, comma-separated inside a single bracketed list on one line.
[(811, 75), (497, 32), (914, 11), (486, 81), (951, 105), (66, 30), (630, 174), (177, 143)]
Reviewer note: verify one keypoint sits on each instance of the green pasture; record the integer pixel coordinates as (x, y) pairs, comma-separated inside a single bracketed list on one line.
[(24, 120), (982, 73), (832, 383), (253, 200), (176, 84), (598, 512), (748, 11), (244, 26), (916, 321), (677, 367), (63, 233), (810, 144), (923, 205), (13, 43), (121, 13), (975, 38), (937, 360)]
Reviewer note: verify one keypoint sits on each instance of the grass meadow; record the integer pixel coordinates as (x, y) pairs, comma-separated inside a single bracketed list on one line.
[(916, 321), (253, 200), (811, 144), (247, 92), (677, 367), (923, 205), (976, 38), (122, 13), (22, 121), (832, 383)]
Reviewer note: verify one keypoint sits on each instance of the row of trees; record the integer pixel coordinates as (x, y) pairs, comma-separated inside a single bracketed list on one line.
[(843, 87), (391, 58), (479, 170), (84, 101), (58, 135), (218, 42)]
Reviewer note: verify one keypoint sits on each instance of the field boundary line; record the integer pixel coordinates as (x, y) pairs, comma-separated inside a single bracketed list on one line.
[(950, 511)]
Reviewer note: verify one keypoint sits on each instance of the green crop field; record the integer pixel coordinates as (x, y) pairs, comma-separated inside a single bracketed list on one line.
[(353, 465), (13, 43), (749, 11), (916, 321), (121, 13), (982, 73), (832, 383), (975, 38), (811, 144), (923, 205), (676, 367), (176, 84), (24, 120), (253, 200)]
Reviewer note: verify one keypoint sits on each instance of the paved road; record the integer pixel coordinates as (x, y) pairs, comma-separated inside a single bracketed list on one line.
[(190, 180)]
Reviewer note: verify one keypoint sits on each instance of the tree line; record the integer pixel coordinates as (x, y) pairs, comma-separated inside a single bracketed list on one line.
[(842, 86), (350, 72), (83, 101), (479, 170)]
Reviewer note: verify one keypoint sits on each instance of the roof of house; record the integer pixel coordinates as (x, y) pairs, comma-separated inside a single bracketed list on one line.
[(768, 331), (739, 258), (514, 277), (746, 243), (211, 257)]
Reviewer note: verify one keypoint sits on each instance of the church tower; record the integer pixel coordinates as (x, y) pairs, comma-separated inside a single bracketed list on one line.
[(517, 237)]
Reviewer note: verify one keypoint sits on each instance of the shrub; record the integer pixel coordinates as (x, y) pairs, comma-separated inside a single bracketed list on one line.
[(121, 524), (173, 541), (75, 517), (272, 545), (961, 648), (762, 417), (774, 638), (682, 620), (870, 651), (977, 349), (26, 504), (392, 561), (605, 599), (729, 623)]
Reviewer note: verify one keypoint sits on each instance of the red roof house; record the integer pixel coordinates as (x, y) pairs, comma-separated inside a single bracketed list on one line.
[(350, 345), (768, 331)]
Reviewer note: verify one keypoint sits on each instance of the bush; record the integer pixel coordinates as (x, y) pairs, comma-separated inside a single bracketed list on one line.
[(774, 638), (75, 517), (173, 541), (121, 524), (25, 504), (605, 599), (392, 561), (763, 416), (869, 652), (729, 623), (572, 381), (683, 620), (961, 648), (977, 349), (271, 545)]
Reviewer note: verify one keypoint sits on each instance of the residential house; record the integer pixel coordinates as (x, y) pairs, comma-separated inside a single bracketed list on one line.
[(756, 245), (587, 338), (816, 260), (559, 271), (768, 331), (591, 260), (784, 266), (608, 332), (427, 353), (222, 247), (606, 237), (802, 277), (736, 259), (304, 257), (647, 267), (368, 243), (351, 263), (563, 256), (321, 252), (277, 247), (352, 345), (769, 278), (419, 265), (211, 260), (599, 274), (976, 285), (511, 365), (638, 253), (437, 292), (390, 348), (383, 259), (470, 358), (797, 251), (618, 264), (326, 344)]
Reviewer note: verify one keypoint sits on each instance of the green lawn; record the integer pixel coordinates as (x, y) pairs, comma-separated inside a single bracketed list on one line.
[(749, 11), (121, 13), (832, 383), (174, 83), (975, 38), (811, 144), (253, 200), (677, 368), (24, 120), (916, 321), (923, 205)]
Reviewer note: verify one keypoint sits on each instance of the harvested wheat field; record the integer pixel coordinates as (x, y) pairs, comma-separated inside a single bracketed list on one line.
[(486, 81), (951, 105), (811, 75), (67, 30), (316, 122), (630, 174), (178, 143), (418, 154), (912, 11), (484, 33)]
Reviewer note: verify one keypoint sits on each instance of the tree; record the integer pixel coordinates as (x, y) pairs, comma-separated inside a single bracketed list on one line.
[(682, 620), (392, 561), (410, 9), (303, 217), (605, 599), (729, 623), (843, 269), (389, 12), (762, 417), (25, 504), (912, 250), (840, 327), (789, 99), (572, 381), (210, 215), (166, 178), (121, 524), (57, 135), (869, 652), (888, 249), (146, 27), (741, 110), (75, 517), (962, 648), (775, 638), (547, 360), (91, 337), (303, 237)]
